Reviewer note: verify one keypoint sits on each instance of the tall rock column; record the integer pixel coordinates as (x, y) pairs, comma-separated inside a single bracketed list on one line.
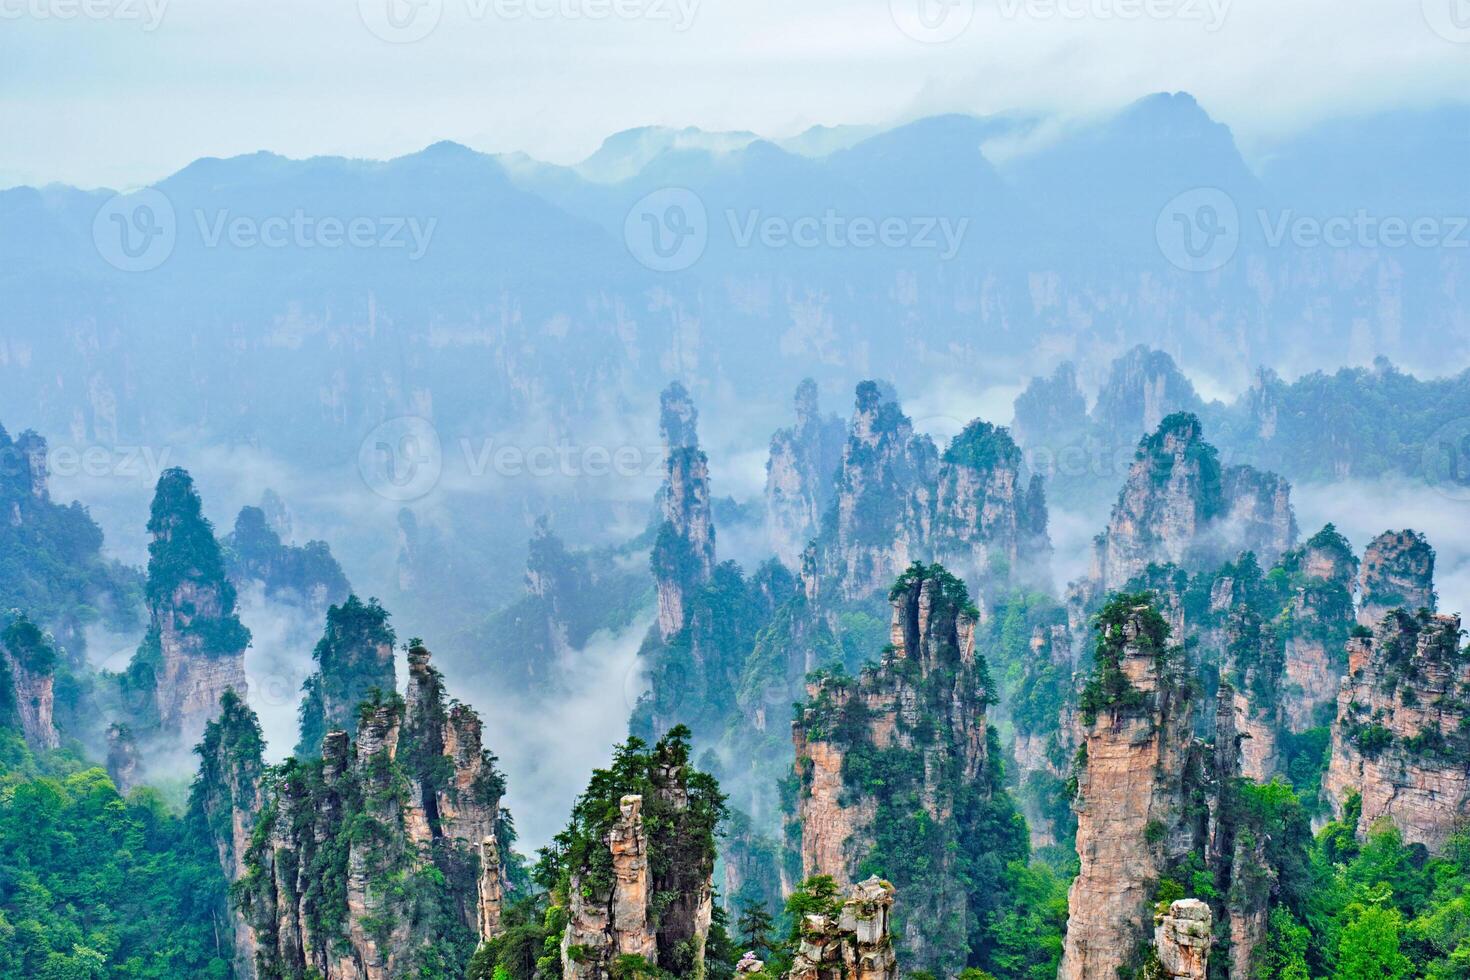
[(1138, 718), (1318, 619), (28, 662), (1398, 573), (1402, 735), (684, 552), (799, 475), (195, 647), (855, 944), (227, 796)]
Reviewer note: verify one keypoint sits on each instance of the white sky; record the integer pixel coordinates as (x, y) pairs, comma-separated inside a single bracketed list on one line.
[(102, 100)]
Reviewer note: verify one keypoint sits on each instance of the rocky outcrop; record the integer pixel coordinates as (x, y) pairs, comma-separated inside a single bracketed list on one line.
[(799, 475), (1182, 940), (1402, 735), (28, 661), (400, 818), (353, 657), (854, 944), (684, 552), (307, 575), (1133, 787), (1180, 506), (1316, 625), (122, 757), (226, 796), (1143, 388), (898, 501), (195, 647), (636, 881), (1397, 573), (920, 716), (602, 927)]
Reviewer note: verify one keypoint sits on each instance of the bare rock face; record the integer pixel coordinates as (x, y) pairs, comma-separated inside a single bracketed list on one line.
[(27, 666), (1318, 619), (853, 945), (1143, 388), (601, 927), (799, 475), (1138, 718), (492, 890), (1182, 940), (925, 701), (1398, 573), (1180, 506), (1400, 739), (684, 553), (227, 795), (195, 648)]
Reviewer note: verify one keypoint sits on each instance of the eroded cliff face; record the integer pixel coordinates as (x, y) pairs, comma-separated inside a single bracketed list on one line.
[(195, 647), (1402, 735), (684, 552), (1179, 506), (854, 944), (799, 475), (401, 817), (1132, 791), (1317, 623), (227, 795), (28, 661), (919, 717), (1397, 573), (1182, 940), (605, 923)]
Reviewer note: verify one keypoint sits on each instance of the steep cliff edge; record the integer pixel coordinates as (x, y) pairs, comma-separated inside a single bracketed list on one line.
[(1134, 766), (1402, 735), (194, 650), (28, 663), (898, 771)]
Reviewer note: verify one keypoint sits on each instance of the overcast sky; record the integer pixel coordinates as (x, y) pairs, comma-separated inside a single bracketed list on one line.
[(123, 92)]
